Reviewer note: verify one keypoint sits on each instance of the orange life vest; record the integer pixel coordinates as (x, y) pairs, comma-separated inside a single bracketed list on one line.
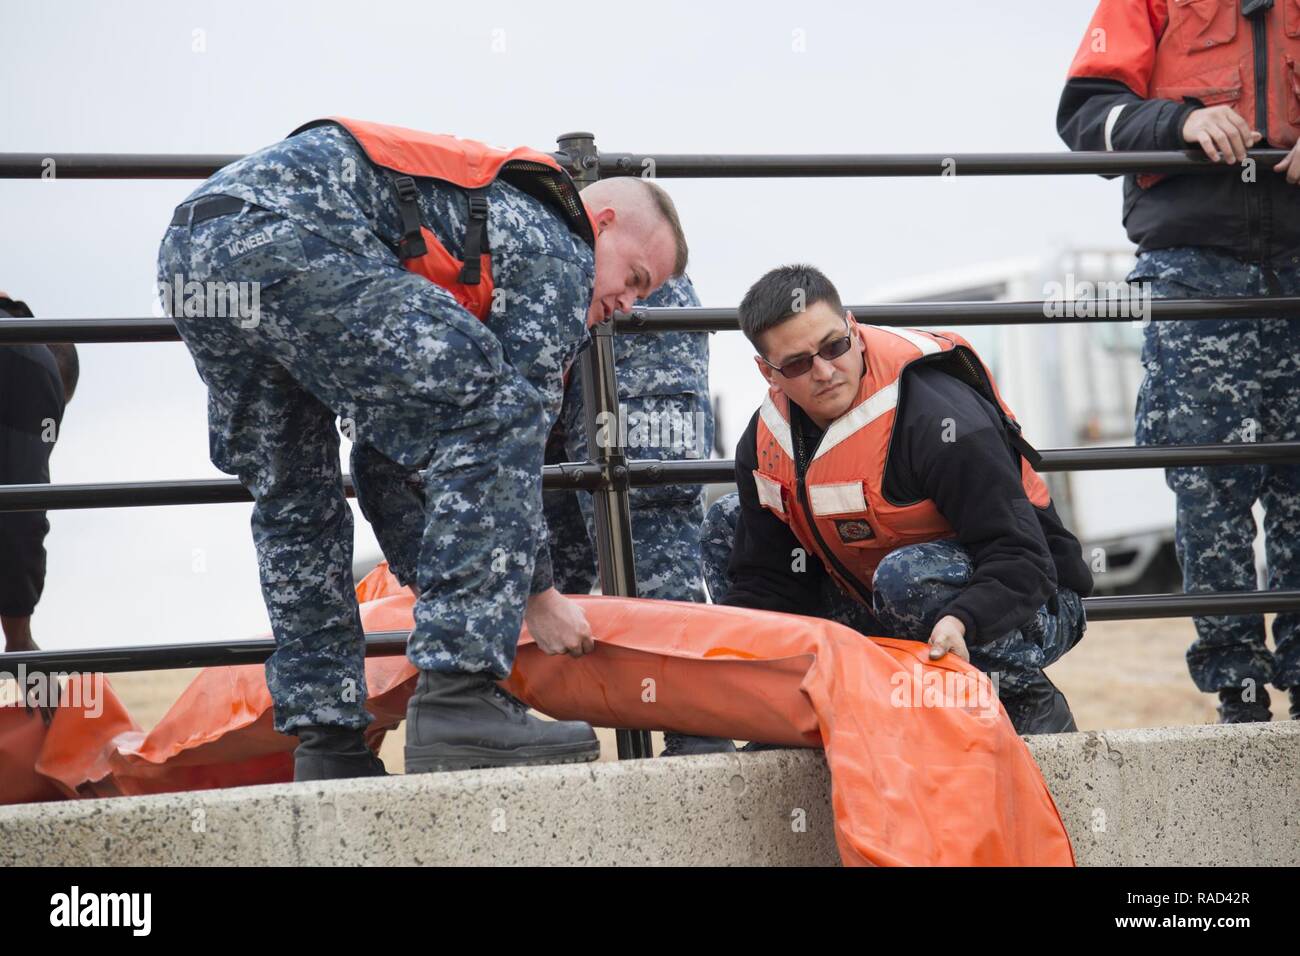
[(473, 166), (1203, 50), (836, 506)]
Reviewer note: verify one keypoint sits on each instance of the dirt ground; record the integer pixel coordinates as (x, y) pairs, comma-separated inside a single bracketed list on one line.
[(1123, 674)]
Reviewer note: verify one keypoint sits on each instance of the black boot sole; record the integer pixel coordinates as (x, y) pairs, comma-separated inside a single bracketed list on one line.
[(440, 758)]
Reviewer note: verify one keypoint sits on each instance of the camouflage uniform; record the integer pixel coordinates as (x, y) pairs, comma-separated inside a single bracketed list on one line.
[(451, 408), (909, 591), (663, 378), (1227, 380)]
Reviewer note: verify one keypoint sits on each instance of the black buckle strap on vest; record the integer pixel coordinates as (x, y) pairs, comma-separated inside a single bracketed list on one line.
[(476, 242), (1020, 443), (412, 244)]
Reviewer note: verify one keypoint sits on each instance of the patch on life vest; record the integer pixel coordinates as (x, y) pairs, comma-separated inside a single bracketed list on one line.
[(854, 529)]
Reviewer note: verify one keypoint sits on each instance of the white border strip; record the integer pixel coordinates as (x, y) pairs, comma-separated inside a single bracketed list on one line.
[(837, 498), (1111, 119), (777, 425), (769, 492)]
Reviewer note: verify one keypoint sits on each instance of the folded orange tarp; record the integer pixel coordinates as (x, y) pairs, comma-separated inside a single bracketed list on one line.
[(71, 755), (925, 767)]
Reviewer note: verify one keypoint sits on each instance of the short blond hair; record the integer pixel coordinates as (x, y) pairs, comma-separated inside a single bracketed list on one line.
[(667, 209), (659, 205)]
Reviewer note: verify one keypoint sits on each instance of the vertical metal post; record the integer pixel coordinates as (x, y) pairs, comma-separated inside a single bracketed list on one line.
[(614, 555)]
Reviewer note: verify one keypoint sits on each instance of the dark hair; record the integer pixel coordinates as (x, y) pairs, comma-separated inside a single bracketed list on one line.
[(782, 294)]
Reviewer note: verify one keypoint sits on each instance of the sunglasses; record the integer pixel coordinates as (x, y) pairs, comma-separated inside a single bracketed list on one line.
[(802, 366)]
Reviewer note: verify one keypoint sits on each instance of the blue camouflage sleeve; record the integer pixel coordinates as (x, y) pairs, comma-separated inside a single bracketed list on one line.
[(539, 312)]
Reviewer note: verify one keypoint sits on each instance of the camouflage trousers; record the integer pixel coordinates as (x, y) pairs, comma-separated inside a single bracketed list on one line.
[(1227, 380), (910, 589), (338, 334), (665, 518)]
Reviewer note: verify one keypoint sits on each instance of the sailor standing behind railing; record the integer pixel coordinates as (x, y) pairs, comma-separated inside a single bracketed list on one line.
[(1156, 75)]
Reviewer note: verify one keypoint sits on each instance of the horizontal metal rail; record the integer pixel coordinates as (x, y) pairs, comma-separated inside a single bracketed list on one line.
[(740, 166), (144, 657), (162, 657), (56, 165), (954, 314), (210, 491), (639, 473), (644, 472), (1220, 603), (87, 331), (697, 319)]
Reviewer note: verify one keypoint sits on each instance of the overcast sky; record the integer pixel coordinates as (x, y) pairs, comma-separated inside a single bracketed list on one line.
[(232, 76)]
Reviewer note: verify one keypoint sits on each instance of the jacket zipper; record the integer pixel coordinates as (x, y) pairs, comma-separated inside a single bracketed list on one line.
[(800, 463)]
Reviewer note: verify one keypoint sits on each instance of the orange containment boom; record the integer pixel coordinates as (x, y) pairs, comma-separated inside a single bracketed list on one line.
[(925, 767)]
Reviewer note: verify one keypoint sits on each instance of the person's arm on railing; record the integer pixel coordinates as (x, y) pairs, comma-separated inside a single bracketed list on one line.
[(1105, 104)]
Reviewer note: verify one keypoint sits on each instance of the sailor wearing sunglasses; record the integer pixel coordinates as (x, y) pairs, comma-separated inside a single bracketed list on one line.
[(883, 483)]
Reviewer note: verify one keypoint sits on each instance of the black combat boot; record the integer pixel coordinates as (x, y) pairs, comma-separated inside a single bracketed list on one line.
[(1295, 703), (465, 721), (333, 753), (680, 745), (1040, 709), (1234, 710)]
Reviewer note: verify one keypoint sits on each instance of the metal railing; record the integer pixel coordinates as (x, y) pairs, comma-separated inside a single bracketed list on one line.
[(610, 474), (579, 154)]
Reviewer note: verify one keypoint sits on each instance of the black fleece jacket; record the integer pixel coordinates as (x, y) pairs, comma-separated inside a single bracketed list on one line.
[(1022, 554)]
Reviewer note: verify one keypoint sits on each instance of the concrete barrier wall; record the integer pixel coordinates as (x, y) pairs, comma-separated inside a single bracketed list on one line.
[(1175, 796)]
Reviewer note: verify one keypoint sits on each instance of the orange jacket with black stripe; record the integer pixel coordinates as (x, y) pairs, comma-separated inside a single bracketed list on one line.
[(1143, 66)]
